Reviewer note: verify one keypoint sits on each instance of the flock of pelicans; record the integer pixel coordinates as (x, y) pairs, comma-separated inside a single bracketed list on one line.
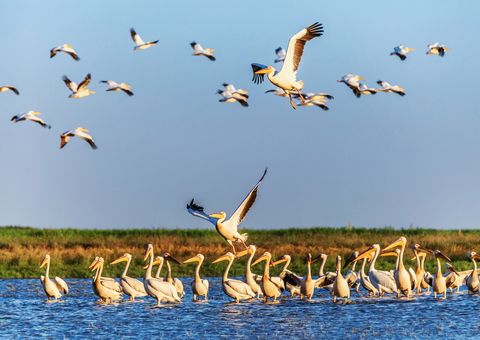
[(284, 80)]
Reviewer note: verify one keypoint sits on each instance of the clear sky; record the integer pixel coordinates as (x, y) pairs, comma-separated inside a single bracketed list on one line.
[(374, 161)]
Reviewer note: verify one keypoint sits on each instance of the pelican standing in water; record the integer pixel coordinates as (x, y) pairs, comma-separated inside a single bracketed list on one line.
[(251, 279), (439, 284), (132, 287), (107, 290), (199, 285), (6, 88), (139, 43), (324, 280), (228, 229), (420, 255), (472, 280), (291, 281), (236, 289), (269, 288), (53, 288), (169, 277), (402, 51), (307, 288), (160, 290), (286, 78), (198, 50), (402, 276), (340, 285), (437, 49), (65, 48), (79, 132), (32, 116)]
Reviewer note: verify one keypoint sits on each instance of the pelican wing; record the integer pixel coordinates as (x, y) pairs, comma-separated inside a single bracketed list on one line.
[(239, 214), (206, 284), (135, 284), (70, 84), (296, 46), (135, 37), (111, 284), (197, 210), (240, 287), (11, 88), (85, 81), (61, 285), (291, 278)]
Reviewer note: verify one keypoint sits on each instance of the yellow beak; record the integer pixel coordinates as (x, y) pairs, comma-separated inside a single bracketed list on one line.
[(398, 243), (93, 263), (216, 215), (120, 259), (44, 262), (263, 71), (221, 258), (193, 259), (148, 253), (260, 259), (388, 253), (278, 262), (243, 253)]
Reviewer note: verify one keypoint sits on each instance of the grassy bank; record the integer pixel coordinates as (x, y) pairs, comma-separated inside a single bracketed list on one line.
[(22, 249)]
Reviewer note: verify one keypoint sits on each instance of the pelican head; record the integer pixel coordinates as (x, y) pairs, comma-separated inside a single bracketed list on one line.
[(45, 260), (368, 253), (394, 252), (471, 255), (251, 249), (227, 257), (265, 257), (157, 261), (438, 254), (283, 259), (196, 258), (124, 258), (97, 263), (148, 252), (338, 263), (401, 242), (450, 268), (167, 257), (95, 260), (265, 69)]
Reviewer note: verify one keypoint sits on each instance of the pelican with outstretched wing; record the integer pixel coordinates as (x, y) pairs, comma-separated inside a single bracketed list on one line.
[(437, 49), (81, 90), (386, 87), (199, 50), (139, 43), (65, 48), (114, 86), (32, 116), (286, 78), (6, 88), (402, 51), (79, 132), (228, 228), (53, 288)]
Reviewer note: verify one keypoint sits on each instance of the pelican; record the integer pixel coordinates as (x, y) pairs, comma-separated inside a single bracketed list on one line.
[(53, 288), (286, 79), (310, 102), (411, 272), (437, 48), (107, 290), (159, 260), (79, 132), (199, 285), (281, 54), (65, 48), (420, 255), (81, 90), (169, 277), (341, 288), (438, 280), (229, 97), (402, 51), (324, 280), (32, 116), (276, 92), (291, 281), (353, 82), (113, 86), (198, 50), (132, 287), (386, 87), (139, 43), (365, 280), (6, 88), (232, 89), (228, 229), (455, 279), (307, 288), (160, 290), (251, 279), (317, 96), (364, 89), (382, 280), (269, 288), (472, 280), (402, 276), (235, 289), (352, 274)]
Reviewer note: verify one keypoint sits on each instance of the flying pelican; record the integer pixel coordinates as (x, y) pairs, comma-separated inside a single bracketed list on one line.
[(438, 280), (402, 276), (232, 89), (235, 289), (364, 89), (386, 87), (269, 288), (228, 229), (199, 285), (291, 281), (30, 115), (198, 50), (281, 54), (229, 97), (107, 290), (54, 289), (6, 88), (79, 132), (286, 79), (139, 43), (472, 280), (113, 86), (353, 82), (65, 48), (251, 279), (81, 90), (276, 92), (340, 285), (162, 291), (309, 102), (402, 51), (317, 96), (132, 287), (169, 277), (437, 48)]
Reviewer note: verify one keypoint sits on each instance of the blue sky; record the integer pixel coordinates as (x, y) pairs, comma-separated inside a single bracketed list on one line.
[(375, 161)]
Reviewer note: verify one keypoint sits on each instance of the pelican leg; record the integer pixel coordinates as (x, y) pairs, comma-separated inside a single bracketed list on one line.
[(445, 294), (301, 96), (233, 247), (194, 297), (291, 101), (334, 299), (434, 295)]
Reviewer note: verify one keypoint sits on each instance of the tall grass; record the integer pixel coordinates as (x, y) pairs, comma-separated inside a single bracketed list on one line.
[(72, 250)]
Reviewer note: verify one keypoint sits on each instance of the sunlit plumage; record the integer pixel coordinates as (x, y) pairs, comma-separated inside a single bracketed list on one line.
[(79, 132), (32, 116), (401, 51), (198, 50), (6, 88), (139, 43), (437, 49), (113, 86), (81, 90), (65, 48), (386, 87)]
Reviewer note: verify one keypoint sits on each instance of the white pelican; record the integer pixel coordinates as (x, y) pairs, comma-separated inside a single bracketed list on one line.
[(228, 229), (439, 284), (353, 82), (32, 116), (81, 90), (157, 261), (198, 50), (386, 87), (65, 48), (232, 89), (420, 255), (402, 276), (402, 51), (169, 277), (199, 285), (281, 54), (107, 290), (113, 86), (269, 288), (276, 92), (291, 281), (454, 279), (53, 288), (310, 102), (437, 48), (160, 290), (6, 88), (229, 97), (307, 288), (79, 132), (139, 43), (365, 280), (341, 288), (324, 280), (411, 272), (286, 79), (317, 96), (364, 89), (352, 275), (472, 280), (235, 289), (132, 287), (251, 279)]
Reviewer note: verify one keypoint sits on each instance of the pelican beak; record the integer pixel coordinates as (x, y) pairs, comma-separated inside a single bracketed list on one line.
[(388, 253), (264, 70), (398, 243), (278, 262), (221, 258), (443, 256), (93, 264), (450, 267), (146, 266), (170, 257), (120, 259), (242, 253), (190, 260), (476, 257), (366, 254), (148, 252), (361, 78), (260, 259), (216, 215), (44, 262)]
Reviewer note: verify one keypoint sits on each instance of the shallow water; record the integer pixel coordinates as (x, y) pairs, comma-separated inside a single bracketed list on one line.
[(24, 313)]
